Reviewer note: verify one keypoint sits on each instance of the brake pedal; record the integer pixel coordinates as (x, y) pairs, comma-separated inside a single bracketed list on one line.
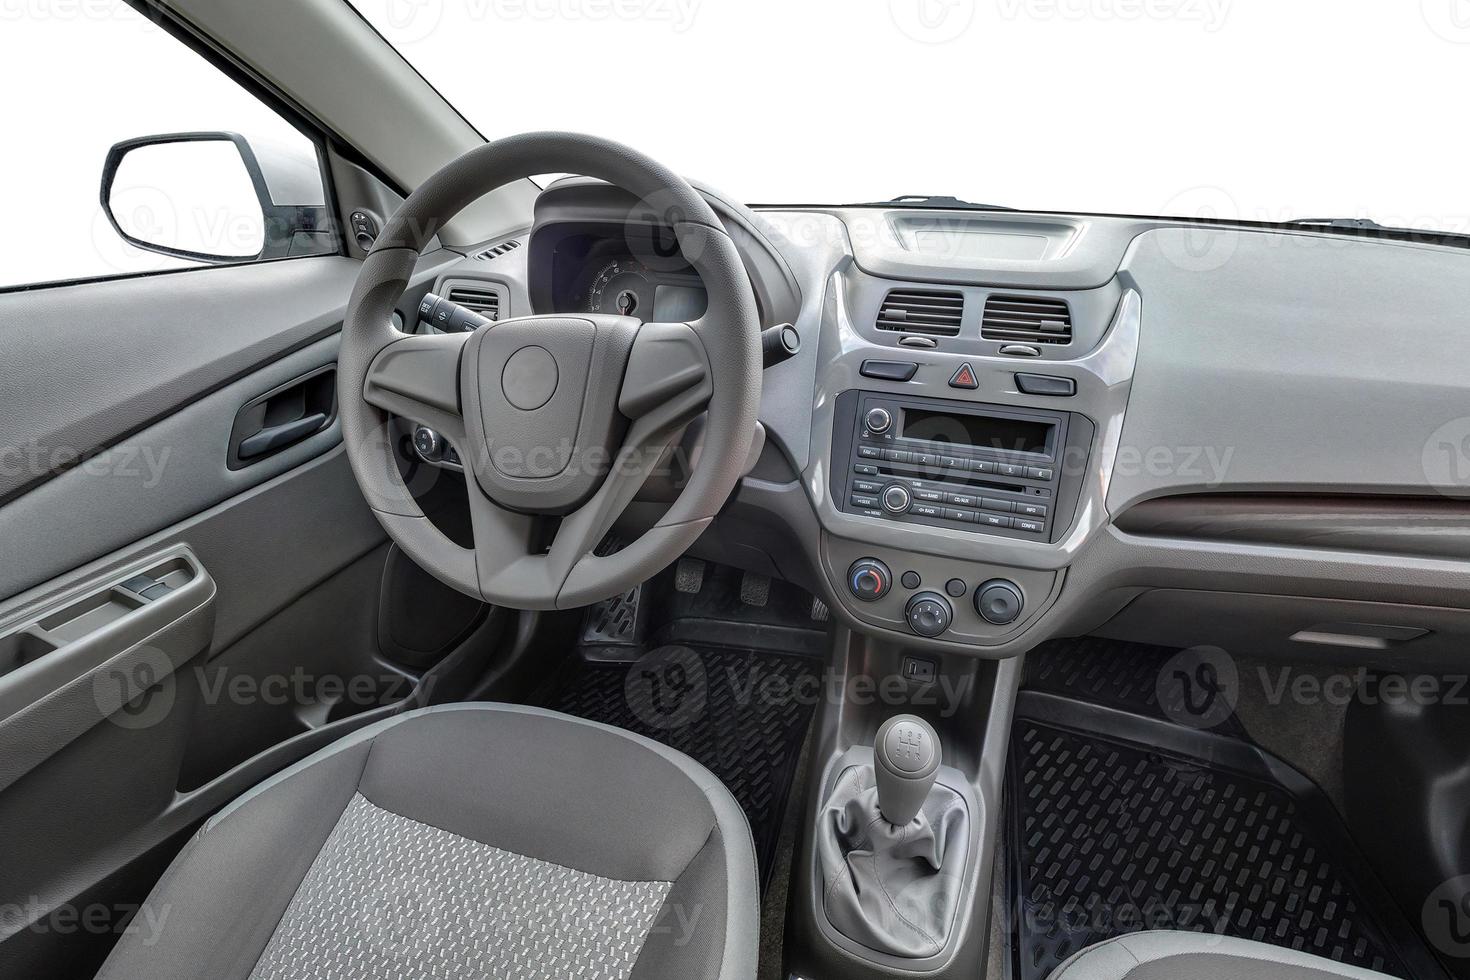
[(755, 590)]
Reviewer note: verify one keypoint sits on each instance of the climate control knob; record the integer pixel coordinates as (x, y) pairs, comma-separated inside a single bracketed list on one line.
[(896, 498), (929, 614), (869, 579), (878, 420), (999, 602)]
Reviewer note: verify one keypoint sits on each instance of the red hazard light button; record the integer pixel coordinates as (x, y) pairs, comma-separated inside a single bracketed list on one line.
[(965, 378)]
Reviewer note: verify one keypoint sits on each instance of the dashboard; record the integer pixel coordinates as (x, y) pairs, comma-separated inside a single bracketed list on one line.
[(1004, 427)]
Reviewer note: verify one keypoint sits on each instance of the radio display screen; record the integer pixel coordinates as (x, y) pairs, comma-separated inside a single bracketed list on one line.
[(980, 431)]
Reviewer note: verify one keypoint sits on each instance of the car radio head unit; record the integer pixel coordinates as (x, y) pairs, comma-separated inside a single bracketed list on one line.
[(960, 465)]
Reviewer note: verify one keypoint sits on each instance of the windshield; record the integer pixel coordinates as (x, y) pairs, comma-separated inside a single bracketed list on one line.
[(1237, 109)]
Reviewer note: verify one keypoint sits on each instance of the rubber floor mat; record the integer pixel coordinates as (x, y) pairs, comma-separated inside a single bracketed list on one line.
[(1114, 673), (742, 714), (1121, 823)]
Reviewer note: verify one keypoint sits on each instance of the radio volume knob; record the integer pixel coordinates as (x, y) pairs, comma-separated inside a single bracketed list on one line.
[(896, 499), (878, 420)]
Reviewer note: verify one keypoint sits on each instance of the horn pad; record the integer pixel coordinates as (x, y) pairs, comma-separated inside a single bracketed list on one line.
[(540, 407)]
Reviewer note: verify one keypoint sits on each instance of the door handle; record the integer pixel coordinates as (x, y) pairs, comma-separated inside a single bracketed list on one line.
[(279, 436), (284, 416)]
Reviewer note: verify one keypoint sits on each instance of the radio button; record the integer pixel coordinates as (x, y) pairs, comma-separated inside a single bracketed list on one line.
[(995, 520), (1011, 469), (896, 499), (962, 499), (966, 516), (1001, 506), (926, 510), (878, 420), (897, 456), (952, 462), (1039, 473), (1031, 510), (982, 466), (866, 486), (929, 496), (1030, 527), (924, 459), (867, 501), (869, 452)]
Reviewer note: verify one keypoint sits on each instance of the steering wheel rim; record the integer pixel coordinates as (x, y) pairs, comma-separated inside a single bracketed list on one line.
[(651, 379)]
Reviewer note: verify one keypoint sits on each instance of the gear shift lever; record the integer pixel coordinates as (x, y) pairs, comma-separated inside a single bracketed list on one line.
[(906, 757)]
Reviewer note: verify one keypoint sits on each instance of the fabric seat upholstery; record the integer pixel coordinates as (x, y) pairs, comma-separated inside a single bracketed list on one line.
[(1163, 955), (464, 841)]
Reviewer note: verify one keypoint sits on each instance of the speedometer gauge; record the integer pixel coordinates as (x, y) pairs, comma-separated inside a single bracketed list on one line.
[(623, 286)]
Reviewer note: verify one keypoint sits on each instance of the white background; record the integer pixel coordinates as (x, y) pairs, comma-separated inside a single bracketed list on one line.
[(1258, 109)]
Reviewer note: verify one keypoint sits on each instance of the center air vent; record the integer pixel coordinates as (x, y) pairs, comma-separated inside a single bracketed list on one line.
[(924, 311), (1026, 320), (498, 250), (484, 301)]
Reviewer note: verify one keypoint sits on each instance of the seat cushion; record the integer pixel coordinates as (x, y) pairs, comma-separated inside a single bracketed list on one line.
[(464, 841), (1200, 956)]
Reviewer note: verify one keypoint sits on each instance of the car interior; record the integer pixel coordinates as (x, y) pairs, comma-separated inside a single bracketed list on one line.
[(469, 575)]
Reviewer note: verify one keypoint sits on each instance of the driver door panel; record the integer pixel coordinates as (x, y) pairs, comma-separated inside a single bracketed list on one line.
[(286, 619)]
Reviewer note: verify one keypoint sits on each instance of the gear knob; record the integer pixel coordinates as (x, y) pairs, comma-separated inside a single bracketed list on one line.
[(906, 759)]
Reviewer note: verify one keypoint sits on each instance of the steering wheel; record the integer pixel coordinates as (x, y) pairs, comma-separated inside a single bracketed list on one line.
[(555, 416)]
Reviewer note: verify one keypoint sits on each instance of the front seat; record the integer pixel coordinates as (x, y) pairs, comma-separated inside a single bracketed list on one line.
[(1163, 955), (463, 841)]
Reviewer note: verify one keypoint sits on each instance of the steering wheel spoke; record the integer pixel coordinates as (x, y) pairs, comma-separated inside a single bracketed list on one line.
[(417, 378)]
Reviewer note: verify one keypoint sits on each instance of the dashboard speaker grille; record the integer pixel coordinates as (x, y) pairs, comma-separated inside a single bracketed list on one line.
[(485, 302), (495, 251), (1027, 320), (934, 312)]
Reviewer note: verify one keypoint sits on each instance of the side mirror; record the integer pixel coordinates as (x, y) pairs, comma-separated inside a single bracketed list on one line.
[(206, 197)]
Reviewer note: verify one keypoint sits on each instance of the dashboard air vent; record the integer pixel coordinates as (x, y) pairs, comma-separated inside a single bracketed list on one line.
[(484, 301), (925, 311), (1026, 320), (496, 251)]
